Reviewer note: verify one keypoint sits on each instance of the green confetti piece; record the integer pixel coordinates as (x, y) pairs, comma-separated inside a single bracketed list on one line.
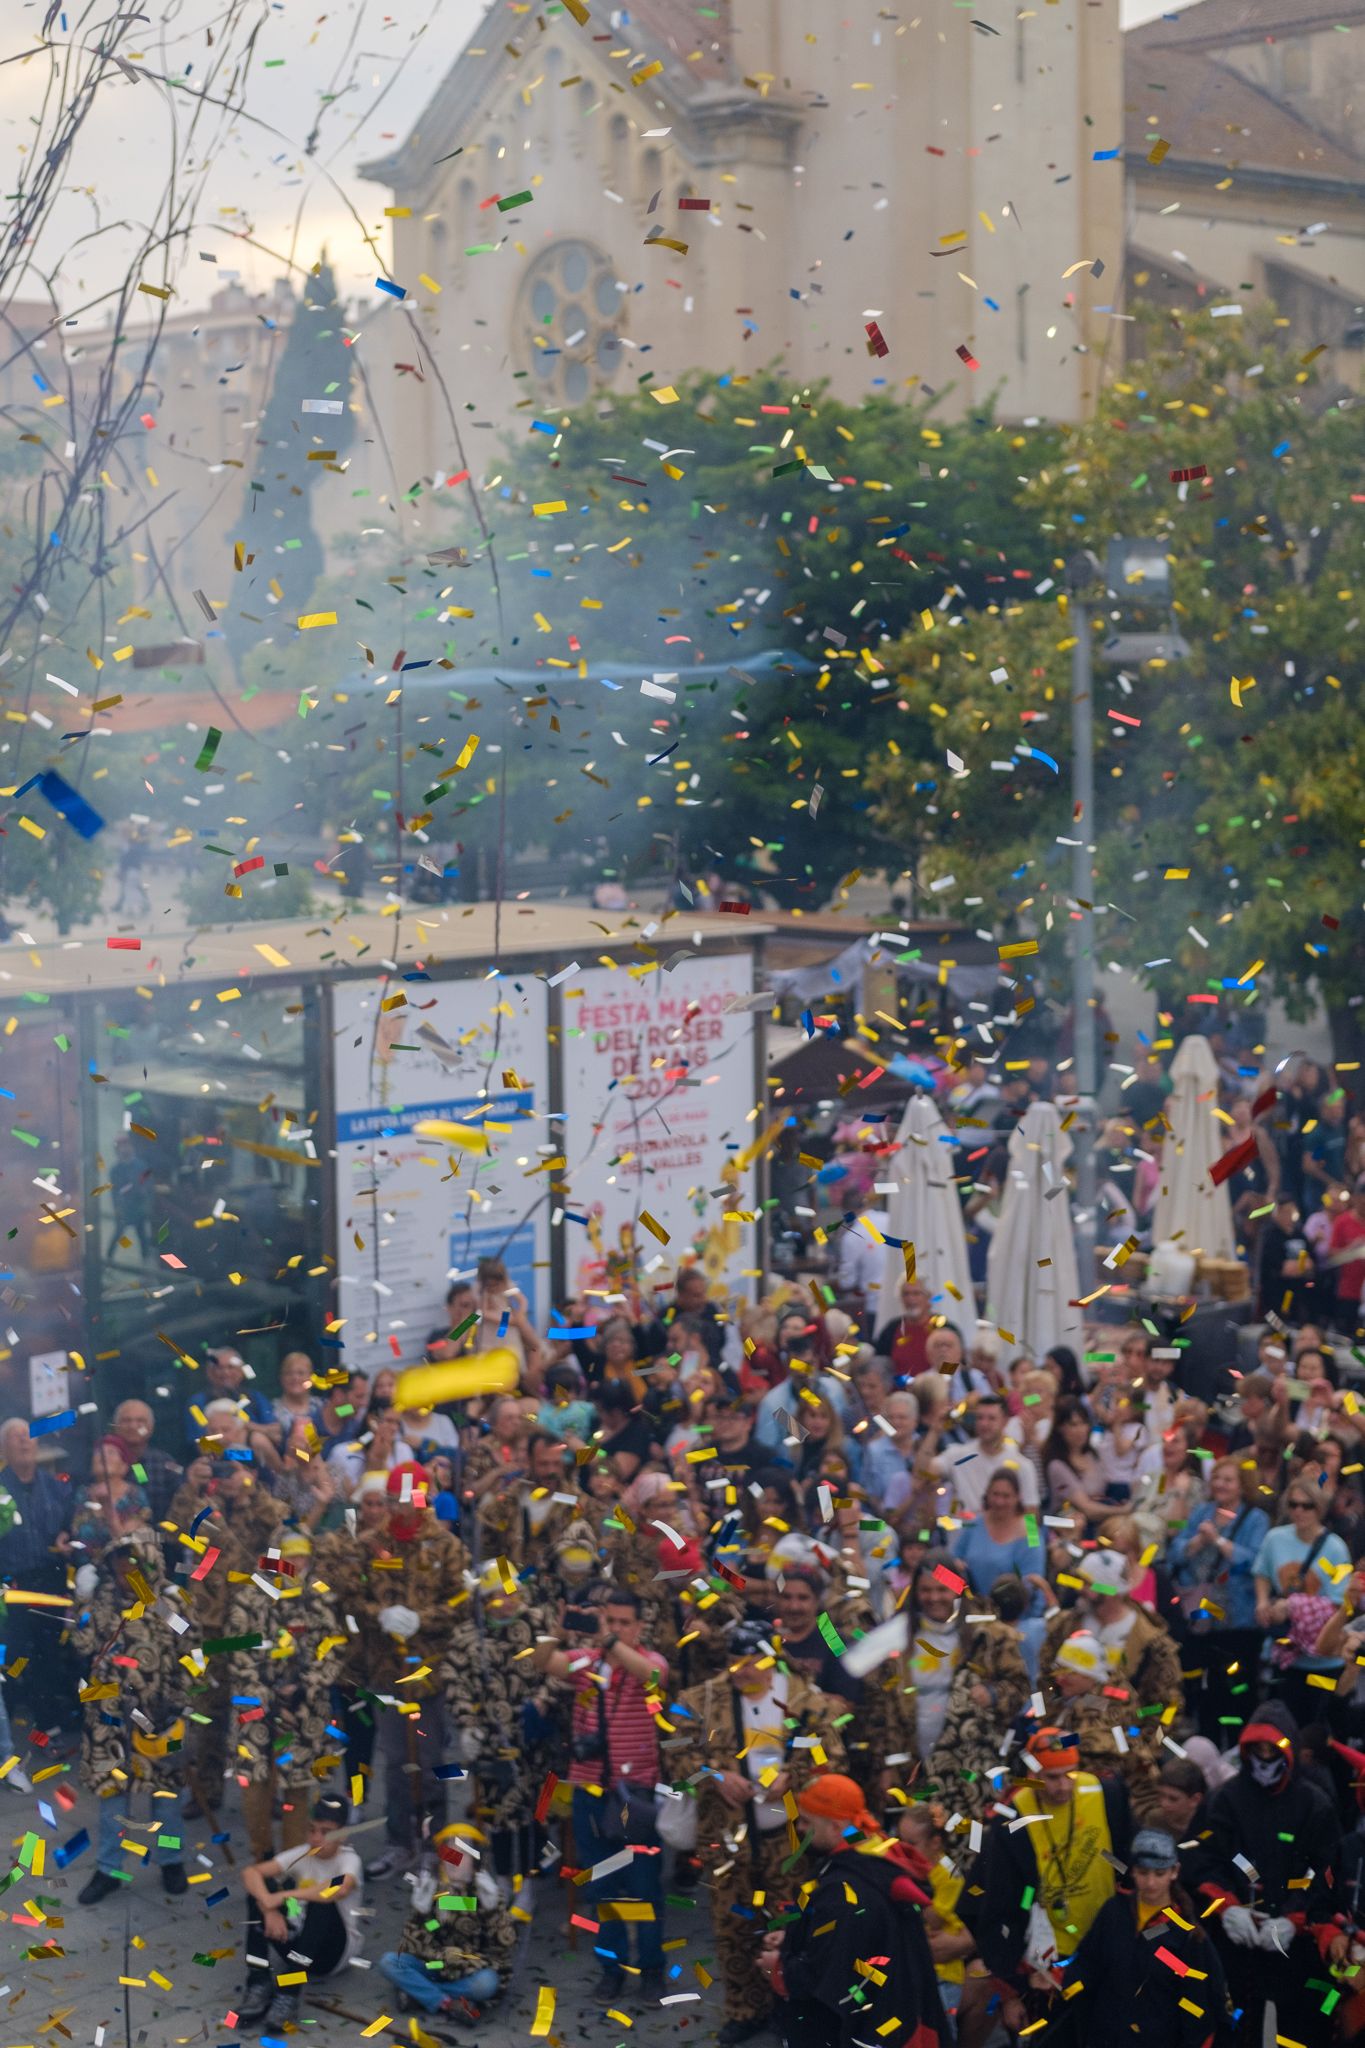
[(457, 1902), (515, 199), (831, 1635), (212, 740), (24, 1137), (220, 1646)]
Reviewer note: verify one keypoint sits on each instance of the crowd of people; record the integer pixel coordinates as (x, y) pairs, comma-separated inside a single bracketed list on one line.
[(952, 1693)]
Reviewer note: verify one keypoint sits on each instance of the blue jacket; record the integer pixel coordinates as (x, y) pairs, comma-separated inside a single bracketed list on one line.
[(1229, 1580)]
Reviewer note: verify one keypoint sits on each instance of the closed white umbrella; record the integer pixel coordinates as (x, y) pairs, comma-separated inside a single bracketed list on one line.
[(925, 1212), (1031, 1265), (1189, 1206)]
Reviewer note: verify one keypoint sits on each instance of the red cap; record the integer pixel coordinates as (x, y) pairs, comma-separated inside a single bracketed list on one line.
[(416, 1474)]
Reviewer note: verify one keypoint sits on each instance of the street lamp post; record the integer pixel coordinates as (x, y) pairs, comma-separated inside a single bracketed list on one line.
[(1137, 575), (1081, 572)]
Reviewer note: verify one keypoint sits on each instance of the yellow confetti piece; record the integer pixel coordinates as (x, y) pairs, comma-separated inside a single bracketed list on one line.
[(311, 619), (268, 953), (665, 395), (375, 2026), (1158, 151), (229, 995), (647, 71), (550, 505), (467, 751), (545, 2010), (36, 831), (654, 1227), (1238, 684)]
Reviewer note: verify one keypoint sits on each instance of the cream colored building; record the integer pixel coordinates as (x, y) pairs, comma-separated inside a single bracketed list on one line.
[(1259, 191), (935, 170)]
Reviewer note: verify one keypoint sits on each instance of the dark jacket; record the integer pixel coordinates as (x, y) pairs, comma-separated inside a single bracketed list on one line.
[(835, 1935), (1009, 1876), (1284, 1834), (1128, 1996)]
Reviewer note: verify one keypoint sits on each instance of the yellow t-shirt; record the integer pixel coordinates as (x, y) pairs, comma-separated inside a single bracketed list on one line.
[(1070, 1846), (947, 1890)]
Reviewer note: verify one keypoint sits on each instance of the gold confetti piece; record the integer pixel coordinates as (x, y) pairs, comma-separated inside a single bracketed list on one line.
[(545, 2010), (269, 953), (654, 1228), (550, 505), (578, 11), (311, 619), (665, 395), (1158, 150)]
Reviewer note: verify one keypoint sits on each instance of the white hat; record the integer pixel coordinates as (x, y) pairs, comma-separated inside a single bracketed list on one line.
[(1106, 1571), (1085, 1654)]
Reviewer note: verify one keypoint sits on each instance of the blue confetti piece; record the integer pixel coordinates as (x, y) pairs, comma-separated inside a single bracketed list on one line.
[(569, 1217), (70, 1850), (1037, 754), (217, 1898), (1104, 156), (579, 1330), (395, 291), (1283, 449), (69, 804), (46, 1425), (451, 1773)]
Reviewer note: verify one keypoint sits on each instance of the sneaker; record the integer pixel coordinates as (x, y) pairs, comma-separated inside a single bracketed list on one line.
[(284, 2009), (19, 1781), (96, 1888), (392, 1858), (256, 2001), (173, 1880), (608, 1988), (649, 1985)]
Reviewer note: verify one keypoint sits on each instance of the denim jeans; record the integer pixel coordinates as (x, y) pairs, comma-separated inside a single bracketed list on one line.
[(426, 1989), (109, 1854), (642, 1878)]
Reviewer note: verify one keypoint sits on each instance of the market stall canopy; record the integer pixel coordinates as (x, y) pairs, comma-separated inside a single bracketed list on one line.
[(925, 1212), (1190, 1208), (1031, 1283)]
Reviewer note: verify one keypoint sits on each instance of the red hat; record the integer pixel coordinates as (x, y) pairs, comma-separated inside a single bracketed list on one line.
[(1054, 1749), (406, 1479)]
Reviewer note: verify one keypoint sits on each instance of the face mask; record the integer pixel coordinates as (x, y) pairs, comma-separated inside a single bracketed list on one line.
[(1268, 1772)]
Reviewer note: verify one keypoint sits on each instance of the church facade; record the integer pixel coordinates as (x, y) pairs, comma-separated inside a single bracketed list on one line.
[(587, 204)]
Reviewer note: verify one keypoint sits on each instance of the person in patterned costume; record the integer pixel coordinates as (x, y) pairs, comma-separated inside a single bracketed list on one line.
[(286, 1741), (242, 1522), (134, 1699), (453, 1960), (412, 1579), (338, 1559), (1085, 1696), (498, 1702), (751, 1740)]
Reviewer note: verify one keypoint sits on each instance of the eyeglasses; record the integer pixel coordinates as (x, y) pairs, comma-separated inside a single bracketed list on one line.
[(1309, 1506)]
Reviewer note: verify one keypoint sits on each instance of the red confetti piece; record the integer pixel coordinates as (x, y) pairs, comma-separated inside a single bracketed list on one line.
[(1232, 1162), (949, 1579), (876, 339), (734, 909), (968, 358), (206, 1564), (547, 1793), (246, 867), (1189, 476), (1173, 1962), (124, 945)]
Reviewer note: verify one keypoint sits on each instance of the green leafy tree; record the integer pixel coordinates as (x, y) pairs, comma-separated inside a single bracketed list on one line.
[(1228, 825), (784, 539)]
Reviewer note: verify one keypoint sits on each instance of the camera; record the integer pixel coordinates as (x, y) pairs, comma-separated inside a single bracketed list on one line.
[(587, 1749), (581, 1621)]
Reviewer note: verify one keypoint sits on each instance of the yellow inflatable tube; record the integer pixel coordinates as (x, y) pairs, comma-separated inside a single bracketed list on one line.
[(457, 1379)]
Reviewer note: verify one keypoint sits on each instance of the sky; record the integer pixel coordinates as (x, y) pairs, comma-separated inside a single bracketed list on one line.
[(380, 58)]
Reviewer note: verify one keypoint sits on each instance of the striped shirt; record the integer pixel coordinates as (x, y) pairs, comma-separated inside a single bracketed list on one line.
[(632, 1736)]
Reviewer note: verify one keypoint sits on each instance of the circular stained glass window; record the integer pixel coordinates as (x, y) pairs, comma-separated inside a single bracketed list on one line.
[(569, 322)]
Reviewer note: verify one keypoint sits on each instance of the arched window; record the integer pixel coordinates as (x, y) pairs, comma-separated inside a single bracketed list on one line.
[(568, 322)]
